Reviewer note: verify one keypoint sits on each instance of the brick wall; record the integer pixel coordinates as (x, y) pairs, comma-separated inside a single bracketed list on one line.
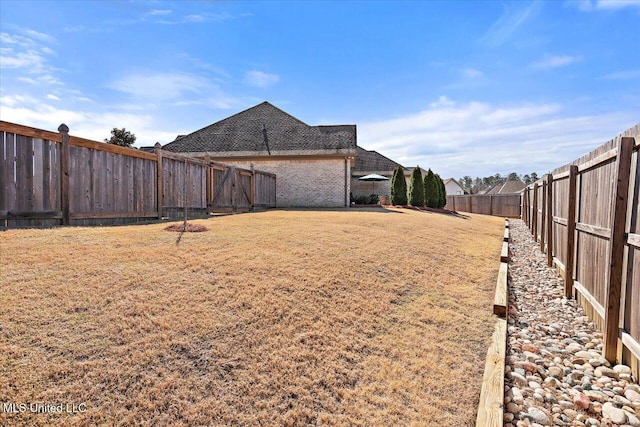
[(305, 183)]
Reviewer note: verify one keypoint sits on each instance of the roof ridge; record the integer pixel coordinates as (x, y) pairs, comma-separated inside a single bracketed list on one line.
[(244, 111)]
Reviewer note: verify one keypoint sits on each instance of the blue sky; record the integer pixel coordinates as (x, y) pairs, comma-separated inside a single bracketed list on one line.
[(465, 88)]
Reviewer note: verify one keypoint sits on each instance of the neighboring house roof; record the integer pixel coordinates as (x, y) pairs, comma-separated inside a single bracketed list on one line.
[(368, 161), (507, 188), (148, 149), (265, 129), (408, 171), (448, 180)]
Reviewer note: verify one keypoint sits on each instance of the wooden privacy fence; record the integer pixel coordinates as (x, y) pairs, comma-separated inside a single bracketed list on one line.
[(505, 205), (585, 216), (49, 178)]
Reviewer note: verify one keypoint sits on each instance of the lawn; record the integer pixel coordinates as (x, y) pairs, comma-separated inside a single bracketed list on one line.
[(371, 318)]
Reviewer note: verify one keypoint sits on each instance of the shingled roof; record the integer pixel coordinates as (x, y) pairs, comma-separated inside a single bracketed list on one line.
[(371, 161), (243, 134)]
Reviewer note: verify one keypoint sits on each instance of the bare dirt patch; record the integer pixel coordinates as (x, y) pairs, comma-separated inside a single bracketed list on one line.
[(189, 228), (371, 318)]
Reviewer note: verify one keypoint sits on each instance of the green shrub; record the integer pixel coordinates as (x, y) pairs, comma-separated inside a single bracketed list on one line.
[(442, 192), (416, 188), (431, 190), (398, 187)]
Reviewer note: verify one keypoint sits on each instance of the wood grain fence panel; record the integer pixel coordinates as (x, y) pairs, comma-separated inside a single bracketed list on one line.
[(598, 196), (9, 175), (109, 189), (591, 264), (243, 190), (631, 284), (105, 184), (24, 173), (37, 204), (151, 186), (560, 210), (45, 178)]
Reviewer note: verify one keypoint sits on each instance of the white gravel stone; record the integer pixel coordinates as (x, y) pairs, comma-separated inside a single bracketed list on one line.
[(554, 352)]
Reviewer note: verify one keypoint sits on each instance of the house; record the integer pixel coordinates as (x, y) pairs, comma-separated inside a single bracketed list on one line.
[(508, 187), (453, 187), (369, 162), (312, 163)]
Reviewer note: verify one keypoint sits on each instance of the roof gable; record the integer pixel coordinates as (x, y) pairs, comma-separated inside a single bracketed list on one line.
[(250, 132), (369, 160)]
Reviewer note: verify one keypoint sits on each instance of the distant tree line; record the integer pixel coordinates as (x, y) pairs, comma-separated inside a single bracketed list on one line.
[(477, 184)]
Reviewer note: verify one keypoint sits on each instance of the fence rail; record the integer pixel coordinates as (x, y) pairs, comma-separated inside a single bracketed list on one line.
[(585, 216), (49, 178), (505, 205)]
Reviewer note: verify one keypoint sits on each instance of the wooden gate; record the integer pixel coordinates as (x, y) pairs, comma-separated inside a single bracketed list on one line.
[(229, 189)]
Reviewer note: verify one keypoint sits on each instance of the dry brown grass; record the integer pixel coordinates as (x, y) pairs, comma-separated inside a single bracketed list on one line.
[(278, 318)]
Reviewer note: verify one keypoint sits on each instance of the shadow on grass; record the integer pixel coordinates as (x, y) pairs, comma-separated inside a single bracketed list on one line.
[(439, 211)]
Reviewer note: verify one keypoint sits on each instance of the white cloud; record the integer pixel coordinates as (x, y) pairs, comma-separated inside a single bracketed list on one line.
[(29, 55), (481, 139), (95, 125), (472, 73), (591, 5), (45, 38), (53, 97), (160, 86), (555, 61), (442, 101), (623, 75), (617, 4), (260, 78), (513, 16), (194, 18), (157, 12)]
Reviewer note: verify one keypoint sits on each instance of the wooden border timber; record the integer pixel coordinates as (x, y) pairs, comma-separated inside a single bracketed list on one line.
[(500, 304), (618, 224), (500, 299), (504, 254), (491, 405)]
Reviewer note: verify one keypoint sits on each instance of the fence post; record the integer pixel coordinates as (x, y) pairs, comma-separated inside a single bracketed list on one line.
[(525, 206), (159, 179), (233, 189), (618, 223), (207, 182), (534, 228), (550, 220), (253, 187), (64, 176), (490, 204), (571, 232), (543, 215)]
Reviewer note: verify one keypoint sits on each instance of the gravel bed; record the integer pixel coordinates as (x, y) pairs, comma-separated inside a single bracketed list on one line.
[(555, 374)]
